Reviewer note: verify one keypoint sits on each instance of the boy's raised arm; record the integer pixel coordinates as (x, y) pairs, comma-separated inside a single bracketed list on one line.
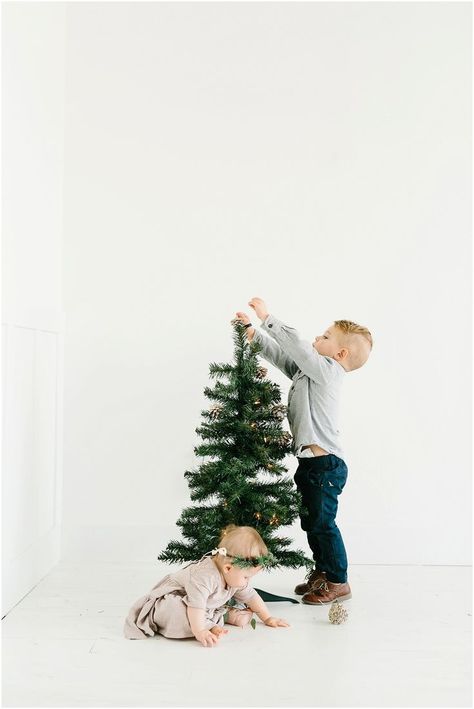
[(300, 351), (271, 351)]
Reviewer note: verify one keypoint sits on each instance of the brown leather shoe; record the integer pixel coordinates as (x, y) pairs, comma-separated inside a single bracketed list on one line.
[(327, 593), (313, 579)]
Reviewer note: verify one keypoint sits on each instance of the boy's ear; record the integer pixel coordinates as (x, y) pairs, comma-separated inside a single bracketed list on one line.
[(227, 567), (342, 354)]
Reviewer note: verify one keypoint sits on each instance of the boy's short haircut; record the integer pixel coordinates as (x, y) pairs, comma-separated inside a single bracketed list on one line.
[(358, 340)]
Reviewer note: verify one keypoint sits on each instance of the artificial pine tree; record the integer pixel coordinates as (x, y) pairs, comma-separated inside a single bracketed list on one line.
[(243, 481)]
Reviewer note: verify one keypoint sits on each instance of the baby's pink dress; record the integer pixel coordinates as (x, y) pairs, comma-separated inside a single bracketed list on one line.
[(163, 609)]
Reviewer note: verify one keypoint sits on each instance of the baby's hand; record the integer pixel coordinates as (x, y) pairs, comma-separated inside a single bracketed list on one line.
[(276, 623), (206, 638), (218, 630), (260, 308)]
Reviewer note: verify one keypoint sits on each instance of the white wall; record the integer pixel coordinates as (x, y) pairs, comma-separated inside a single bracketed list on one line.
[(315, 155), (32, 317)]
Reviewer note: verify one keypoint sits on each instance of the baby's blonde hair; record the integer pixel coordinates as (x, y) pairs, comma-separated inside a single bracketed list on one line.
[(242, 541), (358, 341)]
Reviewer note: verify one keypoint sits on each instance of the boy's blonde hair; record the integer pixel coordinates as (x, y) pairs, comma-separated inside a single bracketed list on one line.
[(242, 541), (358, 341)]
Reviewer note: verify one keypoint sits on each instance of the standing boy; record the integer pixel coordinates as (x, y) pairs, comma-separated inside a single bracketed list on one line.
[(317, 370)]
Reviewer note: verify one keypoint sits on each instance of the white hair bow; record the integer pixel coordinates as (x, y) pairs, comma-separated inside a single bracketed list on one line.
[(219, 550)]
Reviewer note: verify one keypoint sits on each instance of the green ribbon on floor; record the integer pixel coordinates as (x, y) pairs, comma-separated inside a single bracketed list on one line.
[(272, 598)]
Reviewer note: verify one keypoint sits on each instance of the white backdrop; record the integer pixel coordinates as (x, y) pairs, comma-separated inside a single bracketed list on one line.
[(315, 155), (33, 81)]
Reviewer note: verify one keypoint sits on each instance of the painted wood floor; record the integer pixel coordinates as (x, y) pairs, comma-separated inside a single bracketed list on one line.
[(406, 643)]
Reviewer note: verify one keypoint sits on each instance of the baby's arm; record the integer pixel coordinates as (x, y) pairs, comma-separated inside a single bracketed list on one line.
[(198, 587), (196, 621), (258, 606)]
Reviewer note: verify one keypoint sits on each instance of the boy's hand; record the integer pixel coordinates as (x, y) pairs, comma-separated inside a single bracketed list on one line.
[(242, 317), (260, 308), (276, 623)]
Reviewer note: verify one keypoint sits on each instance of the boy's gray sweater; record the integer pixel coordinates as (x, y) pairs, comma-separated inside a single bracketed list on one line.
[(314, 395)]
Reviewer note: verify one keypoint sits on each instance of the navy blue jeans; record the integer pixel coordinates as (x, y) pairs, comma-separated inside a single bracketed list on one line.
[(320, 481)]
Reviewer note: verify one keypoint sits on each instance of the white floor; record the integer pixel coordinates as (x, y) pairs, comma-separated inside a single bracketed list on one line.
[(406, 643)]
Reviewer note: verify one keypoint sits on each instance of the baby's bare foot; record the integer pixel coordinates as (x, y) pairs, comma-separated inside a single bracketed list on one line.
[(238, 617)]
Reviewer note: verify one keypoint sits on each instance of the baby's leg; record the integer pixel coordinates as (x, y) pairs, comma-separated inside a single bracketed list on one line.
[(171, 617), (241, 618)]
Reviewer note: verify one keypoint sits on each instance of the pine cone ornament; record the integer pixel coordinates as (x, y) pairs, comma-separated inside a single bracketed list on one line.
[(279, 411), (337, 613), (215, 411), (284, 439), (261, 372)]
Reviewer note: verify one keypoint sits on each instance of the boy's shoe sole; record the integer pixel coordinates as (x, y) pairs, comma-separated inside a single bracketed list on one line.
[(313, 601)]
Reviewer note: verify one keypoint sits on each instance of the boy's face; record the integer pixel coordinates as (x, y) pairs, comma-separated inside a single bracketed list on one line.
[(328, 343)]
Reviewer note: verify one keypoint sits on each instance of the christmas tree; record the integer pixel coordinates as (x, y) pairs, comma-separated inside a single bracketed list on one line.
[(242, 481)]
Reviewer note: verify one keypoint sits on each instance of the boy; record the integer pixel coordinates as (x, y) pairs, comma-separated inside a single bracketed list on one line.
[(317, 370)]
